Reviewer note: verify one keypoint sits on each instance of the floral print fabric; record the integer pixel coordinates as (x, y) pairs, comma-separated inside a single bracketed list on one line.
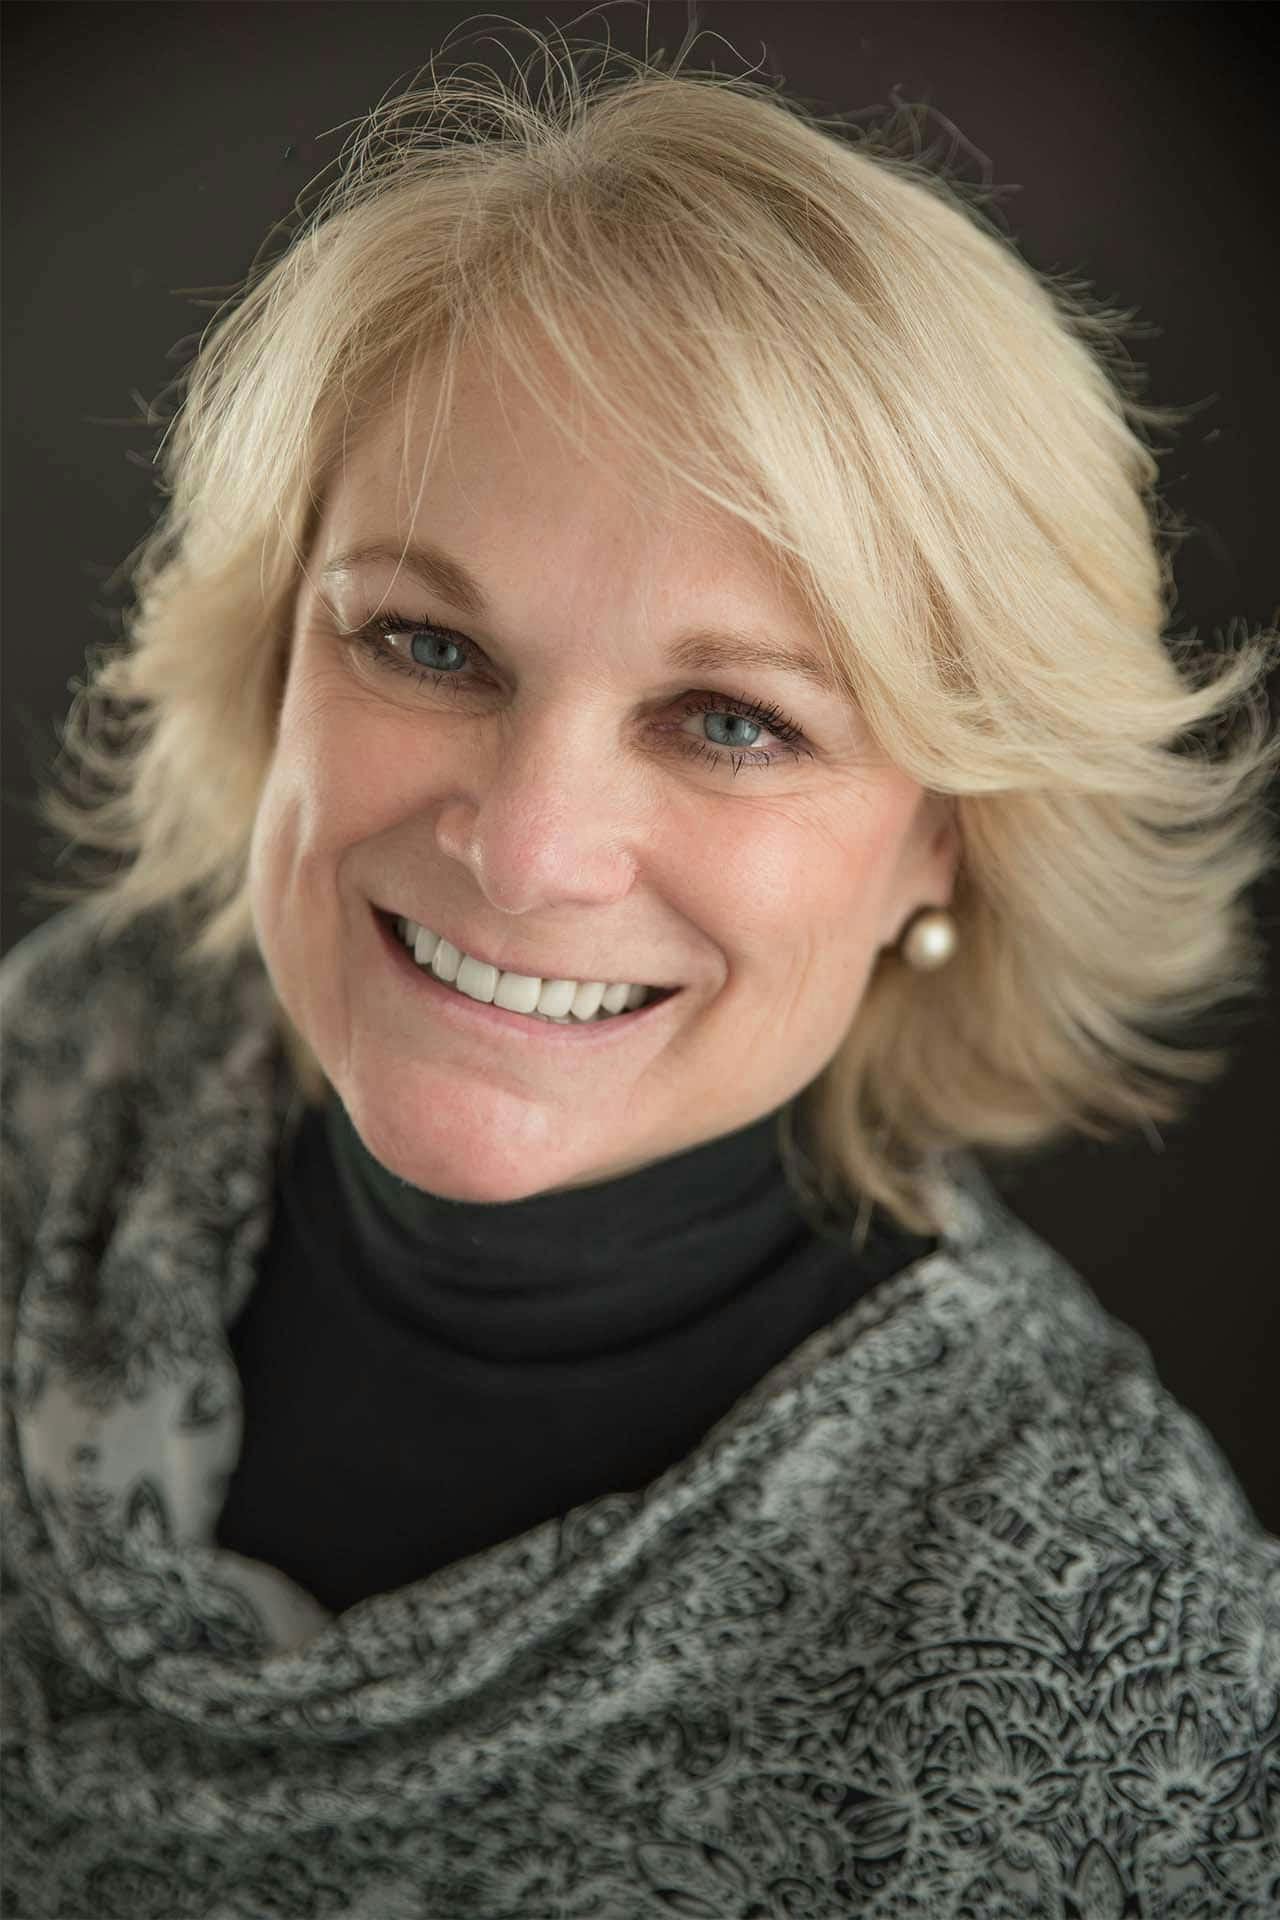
[(957, 1612)]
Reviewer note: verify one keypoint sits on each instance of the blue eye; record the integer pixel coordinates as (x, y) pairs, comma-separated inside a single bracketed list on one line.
[(374, 636)]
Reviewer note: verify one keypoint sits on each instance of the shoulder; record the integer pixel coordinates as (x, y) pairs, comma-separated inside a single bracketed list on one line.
[(53, 975), (76, 1004), (1087, 1616), (1055, 1412), (106, 1031), (1069, 1397), (81, 996)]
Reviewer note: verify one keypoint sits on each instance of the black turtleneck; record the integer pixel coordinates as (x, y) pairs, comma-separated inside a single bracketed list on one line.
[(425, 1377)]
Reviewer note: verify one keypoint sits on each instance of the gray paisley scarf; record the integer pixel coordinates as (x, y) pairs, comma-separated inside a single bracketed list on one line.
[(956, 1613)]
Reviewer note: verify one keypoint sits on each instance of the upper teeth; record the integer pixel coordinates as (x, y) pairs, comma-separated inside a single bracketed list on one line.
[(517, 992)]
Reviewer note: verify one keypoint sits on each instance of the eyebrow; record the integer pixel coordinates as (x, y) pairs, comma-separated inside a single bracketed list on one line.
[(708, 650)]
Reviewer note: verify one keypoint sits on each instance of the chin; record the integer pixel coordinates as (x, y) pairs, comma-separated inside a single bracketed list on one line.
[(470, 1185), (457, 1160)]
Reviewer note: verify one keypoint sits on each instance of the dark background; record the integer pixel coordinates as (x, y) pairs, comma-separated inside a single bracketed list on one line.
[(148, 149)]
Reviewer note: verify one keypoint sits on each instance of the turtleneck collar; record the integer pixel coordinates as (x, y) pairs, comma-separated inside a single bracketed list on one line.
[(636, 1212), (586, 1271)]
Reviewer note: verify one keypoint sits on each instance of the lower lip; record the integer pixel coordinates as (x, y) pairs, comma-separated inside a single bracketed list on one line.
[(479, 1017)]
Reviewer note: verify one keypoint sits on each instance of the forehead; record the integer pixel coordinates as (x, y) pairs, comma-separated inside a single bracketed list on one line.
[(491, 474)]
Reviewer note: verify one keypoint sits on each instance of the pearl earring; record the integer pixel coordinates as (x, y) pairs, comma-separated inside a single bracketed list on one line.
[(930, 939)]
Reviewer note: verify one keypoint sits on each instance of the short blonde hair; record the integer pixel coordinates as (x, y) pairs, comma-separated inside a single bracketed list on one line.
[(838, 345)]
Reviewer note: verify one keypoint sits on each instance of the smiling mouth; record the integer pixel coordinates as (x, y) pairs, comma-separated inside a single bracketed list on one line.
[(392, 925)]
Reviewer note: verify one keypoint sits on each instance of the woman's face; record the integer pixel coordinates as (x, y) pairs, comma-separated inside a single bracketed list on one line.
[(552, 807)]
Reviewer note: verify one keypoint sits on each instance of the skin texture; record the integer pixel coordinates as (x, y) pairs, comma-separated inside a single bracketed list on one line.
[(548, 813)]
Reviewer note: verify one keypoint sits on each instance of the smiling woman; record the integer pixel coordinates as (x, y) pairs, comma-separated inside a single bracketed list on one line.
[(653, 741), (551, 794)]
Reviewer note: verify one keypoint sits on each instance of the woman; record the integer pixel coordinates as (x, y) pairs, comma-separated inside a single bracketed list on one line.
[(653, 743)]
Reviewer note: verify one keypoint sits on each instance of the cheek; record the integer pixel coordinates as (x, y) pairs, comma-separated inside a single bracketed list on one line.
[(270, 860), (331, 781), (827, 871), (298, 818), (361, 765), (826, 892)]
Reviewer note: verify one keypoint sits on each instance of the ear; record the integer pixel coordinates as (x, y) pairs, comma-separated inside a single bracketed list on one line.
[(940, 827), (928, 879)]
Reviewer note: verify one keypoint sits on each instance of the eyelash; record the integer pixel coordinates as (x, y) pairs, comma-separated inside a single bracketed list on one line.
[(373, 635)]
